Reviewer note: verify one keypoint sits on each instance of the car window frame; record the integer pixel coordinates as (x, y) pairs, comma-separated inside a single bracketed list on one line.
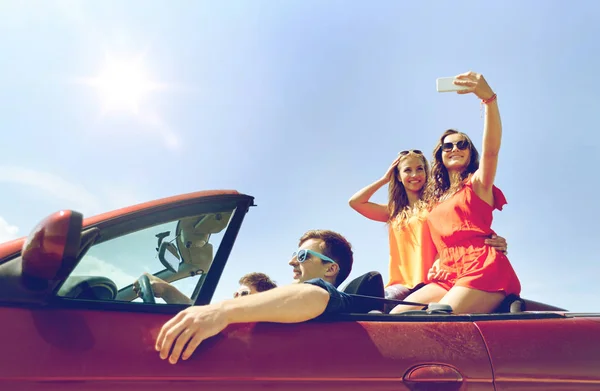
[(129, 223)]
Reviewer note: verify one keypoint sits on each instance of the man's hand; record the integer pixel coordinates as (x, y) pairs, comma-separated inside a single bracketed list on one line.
[(191, 326), (164, 290), (288, 304), (158, 286), (498, 242)]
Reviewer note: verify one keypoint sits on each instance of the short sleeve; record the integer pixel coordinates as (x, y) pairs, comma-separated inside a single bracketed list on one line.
[(339, 302), (499, 199)]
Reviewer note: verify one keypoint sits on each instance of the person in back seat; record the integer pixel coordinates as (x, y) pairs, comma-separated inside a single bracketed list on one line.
[(249, 284), (322, 262), (463, 197), (412, 252), (252, 283)]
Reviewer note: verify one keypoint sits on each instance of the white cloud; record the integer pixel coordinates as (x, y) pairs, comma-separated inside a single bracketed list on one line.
[(76, 196), (73, 195), (7, 232)]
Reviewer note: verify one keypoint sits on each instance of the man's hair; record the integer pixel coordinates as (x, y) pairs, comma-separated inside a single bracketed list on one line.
[(260, 281), (336, 247)]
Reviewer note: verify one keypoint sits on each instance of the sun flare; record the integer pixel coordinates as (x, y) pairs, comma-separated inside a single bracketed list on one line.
[(122, 85)]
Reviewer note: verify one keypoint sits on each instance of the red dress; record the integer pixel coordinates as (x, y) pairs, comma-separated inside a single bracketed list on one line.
[(459, 226)]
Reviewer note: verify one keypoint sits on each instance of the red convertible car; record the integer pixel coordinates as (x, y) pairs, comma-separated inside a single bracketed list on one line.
[(69, 319)]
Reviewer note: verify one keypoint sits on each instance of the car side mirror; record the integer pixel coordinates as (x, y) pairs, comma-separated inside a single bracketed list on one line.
[(169, 256), (50, 251)]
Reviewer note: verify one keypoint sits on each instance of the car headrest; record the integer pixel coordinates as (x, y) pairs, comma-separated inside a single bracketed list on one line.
[(511, 304), (369, 284), (89, 287)]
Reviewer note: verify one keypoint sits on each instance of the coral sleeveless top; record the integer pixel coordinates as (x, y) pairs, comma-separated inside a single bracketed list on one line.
[(459, 226)]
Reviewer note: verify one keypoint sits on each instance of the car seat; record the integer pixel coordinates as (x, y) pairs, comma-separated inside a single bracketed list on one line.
[(511, 304), (369, 284)]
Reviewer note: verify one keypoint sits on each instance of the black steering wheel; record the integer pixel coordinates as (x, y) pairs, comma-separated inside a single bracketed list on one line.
[(146, 292)]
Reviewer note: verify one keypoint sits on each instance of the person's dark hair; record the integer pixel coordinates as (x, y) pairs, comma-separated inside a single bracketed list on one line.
[(439, 185), (336, 247), (260, 281)]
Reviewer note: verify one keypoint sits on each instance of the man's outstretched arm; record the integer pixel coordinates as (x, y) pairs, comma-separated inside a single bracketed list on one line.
[(287, 304)]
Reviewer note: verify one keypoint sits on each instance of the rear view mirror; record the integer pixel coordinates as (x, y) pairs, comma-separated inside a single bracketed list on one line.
[(50, 251), (169, 256)]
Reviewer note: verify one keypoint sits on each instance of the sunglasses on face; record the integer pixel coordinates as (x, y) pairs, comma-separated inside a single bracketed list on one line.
[(404, 153), (302, 255), (240, 294), (461, 145)]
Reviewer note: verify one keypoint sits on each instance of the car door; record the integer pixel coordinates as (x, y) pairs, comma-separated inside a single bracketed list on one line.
[(102, 348), (543, 353), (81, 340)]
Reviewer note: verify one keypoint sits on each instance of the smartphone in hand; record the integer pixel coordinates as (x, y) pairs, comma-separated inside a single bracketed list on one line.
[(446, 84)]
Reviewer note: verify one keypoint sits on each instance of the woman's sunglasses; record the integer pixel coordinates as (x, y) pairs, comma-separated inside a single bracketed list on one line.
[(404, 153), (461, 145), (302, 255)]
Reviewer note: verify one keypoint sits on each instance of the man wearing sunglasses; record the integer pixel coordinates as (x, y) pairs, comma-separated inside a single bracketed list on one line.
[(249, 284), (321, 263), (252, 283)]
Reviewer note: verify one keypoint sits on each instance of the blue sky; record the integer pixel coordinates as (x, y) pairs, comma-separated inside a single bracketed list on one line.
[(300, 104)]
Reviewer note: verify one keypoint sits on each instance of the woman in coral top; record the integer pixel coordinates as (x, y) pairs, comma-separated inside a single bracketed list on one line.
[(476, 277), (412, 251)]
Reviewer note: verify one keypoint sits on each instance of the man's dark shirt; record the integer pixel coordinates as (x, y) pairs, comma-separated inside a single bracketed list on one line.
[(339, 302)]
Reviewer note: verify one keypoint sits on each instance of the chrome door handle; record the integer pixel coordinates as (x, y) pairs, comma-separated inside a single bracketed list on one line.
[(434, 377)]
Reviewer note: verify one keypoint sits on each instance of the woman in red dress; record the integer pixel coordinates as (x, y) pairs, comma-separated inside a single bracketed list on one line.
[(475, 277)]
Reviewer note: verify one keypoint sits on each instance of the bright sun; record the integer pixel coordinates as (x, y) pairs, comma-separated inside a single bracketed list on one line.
[(122, 85)]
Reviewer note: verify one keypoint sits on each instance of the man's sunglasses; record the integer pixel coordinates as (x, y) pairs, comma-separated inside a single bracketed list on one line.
[(302, 255), (461, 145), (404, 153), (240, 294)]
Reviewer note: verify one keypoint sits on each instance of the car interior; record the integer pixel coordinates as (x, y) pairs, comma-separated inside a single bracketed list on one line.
[(191, 255), (371, 284)]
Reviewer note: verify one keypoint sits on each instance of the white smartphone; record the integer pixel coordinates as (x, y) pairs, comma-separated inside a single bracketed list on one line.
[(446, 84)]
